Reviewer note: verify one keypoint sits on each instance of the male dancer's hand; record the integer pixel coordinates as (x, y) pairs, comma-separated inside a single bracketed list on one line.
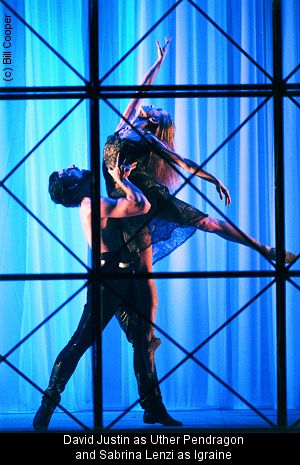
[(118, 173)]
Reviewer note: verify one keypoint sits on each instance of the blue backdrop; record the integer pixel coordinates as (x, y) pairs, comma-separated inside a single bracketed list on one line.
[(244, 354)]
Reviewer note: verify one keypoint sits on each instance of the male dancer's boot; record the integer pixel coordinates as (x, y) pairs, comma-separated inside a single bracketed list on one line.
[(145, 371), (50, 400)]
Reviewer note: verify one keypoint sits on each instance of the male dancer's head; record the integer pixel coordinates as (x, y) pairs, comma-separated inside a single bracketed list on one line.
[(69, 186)]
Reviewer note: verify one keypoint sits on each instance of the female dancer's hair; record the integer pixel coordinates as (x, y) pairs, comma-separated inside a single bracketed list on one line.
[(161, 169)]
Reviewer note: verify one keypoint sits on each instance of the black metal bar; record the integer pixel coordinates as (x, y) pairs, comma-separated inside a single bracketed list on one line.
[(137, 87), (294, 101), (186, 181), (292, 73), (183, 94), (141, 275), (296, 423), (49, 317), (211, 373), (173, 94), (191, 356), (279, 216), (230, 39), (95, 167), (150, 94), (40, 142), (173, 7), (74, 96), (16, 14), (14, 368), (236, 130), (293, 283), (47, 89), (280, 89), (146, 88), (44, 226)]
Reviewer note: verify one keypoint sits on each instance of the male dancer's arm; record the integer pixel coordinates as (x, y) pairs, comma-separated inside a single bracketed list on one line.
[(134, 203)]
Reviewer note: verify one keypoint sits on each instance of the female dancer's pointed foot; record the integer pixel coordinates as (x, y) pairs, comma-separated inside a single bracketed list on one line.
[(289, 257)]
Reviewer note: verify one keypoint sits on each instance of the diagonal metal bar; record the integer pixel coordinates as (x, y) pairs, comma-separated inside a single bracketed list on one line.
[(210, 20), (190, 355), (40, 142), (33, 384), (187, 181), (293, 283), (191, 176), (211, 373), (232, 224), (236, 314), (239, 127), (49, 317), (294, 100), (164, 333), (2, 2), (295, 424), (61, 58), (44, 226), (108, 73), (291, 73), (293, 262)]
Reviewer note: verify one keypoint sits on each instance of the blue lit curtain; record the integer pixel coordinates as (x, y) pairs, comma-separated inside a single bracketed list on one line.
[(243, 354)]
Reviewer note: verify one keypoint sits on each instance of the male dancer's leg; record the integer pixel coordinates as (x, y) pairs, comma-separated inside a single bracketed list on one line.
[(83, 338), (144, 369)]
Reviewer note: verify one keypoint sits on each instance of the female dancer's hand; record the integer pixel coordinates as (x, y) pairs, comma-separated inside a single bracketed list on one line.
[(223, 191), (162, 51)]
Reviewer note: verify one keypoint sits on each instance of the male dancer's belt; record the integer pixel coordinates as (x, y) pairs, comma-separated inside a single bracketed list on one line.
[(113, 259), (119, 264)]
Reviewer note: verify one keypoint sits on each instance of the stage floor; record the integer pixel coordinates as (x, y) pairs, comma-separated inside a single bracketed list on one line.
[(191, 419)]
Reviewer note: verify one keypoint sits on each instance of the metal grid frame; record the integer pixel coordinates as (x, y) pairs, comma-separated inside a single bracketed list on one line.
[(94, 91)]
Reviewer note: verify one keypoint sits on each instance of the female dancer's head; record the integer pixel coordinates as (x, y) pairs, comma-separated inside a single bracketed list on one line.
[(69, 186), (161, 124)]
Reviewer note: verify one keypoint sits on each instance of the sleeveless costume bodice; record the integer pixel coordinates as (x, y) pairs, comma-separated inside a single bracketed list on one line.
[(169, 222)]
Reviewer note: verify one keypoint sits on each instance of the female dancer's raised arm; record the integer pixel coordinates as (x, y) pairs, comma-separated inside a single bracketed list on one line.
[(189, 165), (134, 105)]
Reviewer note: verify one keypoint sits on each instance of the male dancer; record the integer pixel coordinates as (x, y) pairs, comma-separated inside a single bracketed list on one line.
[(72, 188)]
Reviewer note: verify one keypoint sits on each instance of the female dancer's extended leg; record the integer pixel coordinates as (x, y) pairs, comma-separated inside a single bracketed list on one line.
[(230, 233)]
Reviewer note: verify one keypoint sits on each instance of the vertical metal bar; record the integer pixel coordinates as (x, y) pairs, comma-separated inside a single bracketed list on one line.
[(279, 216), (95, 167)]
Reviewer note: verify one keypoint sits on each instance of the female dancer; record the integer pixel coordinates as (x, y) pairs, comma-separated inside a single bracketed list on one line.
[(145, 135)]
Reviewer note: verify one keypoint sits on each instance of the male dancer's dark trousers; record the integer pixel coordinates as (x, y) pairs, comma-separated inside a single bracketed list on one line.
[(117, 299)]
